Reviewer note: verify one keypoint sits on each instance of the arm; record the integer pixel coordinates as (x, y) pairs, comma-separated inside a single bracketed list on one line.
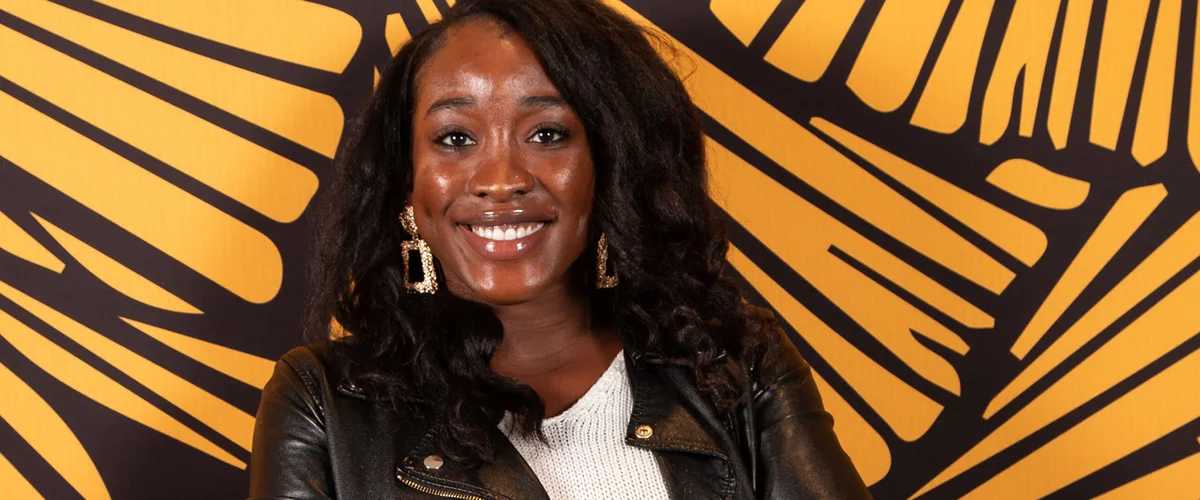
[(289, 458), (799, 454)]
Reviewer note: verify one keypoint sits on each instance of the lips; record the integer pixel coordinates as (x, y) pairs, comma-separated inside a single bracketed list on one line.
[(508, 216), (505, 234)]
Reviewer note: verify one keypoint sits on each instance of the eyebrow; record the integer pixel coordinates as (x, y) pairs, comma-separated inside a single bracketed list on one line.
[(542, 101), (450, 103), (533, 101)]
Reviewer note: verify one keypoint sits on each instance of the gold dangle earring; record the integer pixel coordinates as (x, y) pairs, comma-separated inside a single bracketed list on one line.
[(429, 283), (604, 280)]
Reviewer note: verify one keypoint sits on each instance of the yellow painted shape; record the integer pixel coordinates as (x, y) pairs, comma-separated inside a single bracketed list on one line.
[(908, 412), (947, 94), (808, 43), (1155, 408), (1173, 482), (248, 368), (304, 33), (1019, 238), (251, 174), (757, 200), (46, 432), (309, 118), (1177, 251), (336, 331), (1072, 45), (803, 240), (16, 486), (1025, 48), (1125, 217), (211, 242), (1154, 111), (1194, 103), (429, 10), (866, 448), (226, 419), (1039, 185), (1164, 327), (1123, 24), (90, 382), (890, 59), (743, 19), (16, 241), (818, 164), (396, 34), (116, 275)]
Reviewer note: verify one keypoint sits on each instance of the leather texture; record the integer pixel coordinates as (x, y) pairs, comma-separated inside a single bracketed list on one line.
[(319, 436)]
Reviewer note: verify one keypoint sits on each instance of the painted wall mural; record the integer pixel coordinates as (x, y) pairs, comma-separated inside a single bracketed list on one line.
[(977, 218)]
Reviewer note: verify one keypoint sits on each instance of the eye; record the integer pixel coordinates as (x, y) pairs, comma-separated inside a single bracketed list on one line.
[(548, 135), (456, 140)]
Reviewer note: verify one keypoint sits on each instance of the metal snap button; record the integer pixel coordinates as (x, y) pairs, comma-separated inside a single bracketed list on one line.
[(643, 431), (350, 385), (433, 462)]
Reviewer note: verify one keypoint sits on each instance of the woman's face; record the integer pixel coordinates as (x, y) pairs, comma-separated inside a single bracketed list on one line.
[(503, 175)]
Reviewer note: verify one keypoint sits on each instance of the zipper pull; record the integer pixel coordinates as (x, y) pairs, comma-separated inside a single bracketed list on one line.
[(431, 462)]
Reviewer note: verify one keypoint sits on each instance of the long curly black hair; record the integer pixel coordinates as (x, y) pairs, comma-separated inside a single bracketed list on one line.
[(673, 303)]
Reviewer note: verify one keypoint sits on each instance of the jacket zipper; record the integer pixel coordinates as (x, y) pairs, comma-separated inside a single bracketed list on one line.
[(431, 491)]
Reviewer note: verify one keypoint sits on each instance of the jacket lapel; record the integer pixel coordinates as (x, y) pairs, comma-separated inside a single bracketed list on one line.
[(685, 432), (507, 477)]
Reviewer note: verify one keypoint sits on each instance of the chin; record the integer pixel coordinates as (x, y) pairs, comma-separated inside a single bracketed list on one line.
[(503, 299), (505, 285)]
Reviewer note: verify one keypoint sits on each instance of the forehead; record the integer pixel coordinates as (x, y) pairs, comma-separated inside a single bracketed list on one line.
[(481, 57)]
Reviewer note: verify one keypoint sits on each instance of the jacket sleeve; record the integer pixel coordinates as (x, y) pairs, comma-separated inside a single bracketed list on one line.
[(800, 456), (289, 458)]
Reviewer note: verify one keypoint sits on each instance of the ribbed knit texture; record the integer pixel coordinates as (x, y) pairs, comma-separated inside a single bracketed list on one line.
[(587, 457)]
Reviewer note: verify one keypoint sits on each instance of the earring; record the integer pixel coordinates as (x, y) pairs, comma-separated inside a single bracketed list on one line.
[(429, 283), (604, 280)]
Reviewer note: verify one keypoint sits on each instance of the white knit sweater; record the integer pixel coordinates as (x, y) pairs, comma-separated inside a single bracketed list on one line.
[(587, 457)]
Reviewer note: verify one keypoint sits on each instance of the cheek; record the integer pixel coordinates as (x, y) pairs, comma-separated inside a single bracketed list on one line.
[(434, 179), (434, 184), (574, 187), (574, 183)]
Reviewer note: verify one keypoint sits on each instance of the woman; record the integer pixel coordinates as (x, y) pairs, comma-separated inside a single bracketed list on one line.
[(526, 278)]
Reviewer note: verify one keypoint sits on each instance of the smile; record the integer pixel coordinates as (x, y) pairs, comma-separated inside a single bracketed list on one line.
[(507, 232)]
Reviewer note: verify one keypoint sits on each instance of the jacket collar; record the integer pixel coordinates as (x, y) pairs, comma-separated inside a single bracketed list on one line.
[(507, 477), (665, 418)]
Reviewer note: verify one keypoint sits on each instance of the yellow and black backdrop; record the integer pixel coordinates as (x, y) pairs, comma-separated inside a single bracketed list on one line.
[(977, 218)]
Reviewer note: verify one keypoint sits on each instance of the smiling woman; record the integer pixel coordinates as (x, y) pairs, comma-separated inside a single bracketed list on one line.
[(503, 153), (572, 334)]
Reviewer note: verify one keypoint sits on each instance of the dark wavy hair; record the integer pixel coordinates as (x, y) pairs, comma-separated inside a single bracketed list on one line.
[(673, 304)]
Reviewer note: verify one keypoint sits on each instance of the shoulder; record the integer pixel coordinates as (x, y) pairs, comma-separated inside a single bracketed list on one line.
[(311, 360), (313, 368), (322, 367), (780, 364)]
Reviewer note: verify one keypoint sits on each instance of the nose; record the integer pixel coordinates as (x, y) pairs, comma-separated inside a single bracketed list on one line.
[(501, 176)]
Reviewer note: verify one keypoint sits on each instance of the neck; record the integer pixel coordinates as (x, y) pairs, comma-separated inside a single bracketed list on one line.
[(546, 333)]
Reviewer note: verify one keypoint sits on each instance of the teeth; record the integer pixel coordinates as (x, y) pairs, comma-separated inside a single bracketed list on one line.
[(507, 232)]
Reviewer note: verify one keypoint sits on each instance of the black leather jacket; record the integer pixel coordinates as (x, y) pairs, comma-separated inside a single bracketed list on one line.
[(320, 436)]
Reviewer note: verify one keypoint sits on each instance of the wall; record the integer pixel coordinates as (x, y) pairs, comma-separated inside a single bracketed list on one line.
[(978, 220)]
